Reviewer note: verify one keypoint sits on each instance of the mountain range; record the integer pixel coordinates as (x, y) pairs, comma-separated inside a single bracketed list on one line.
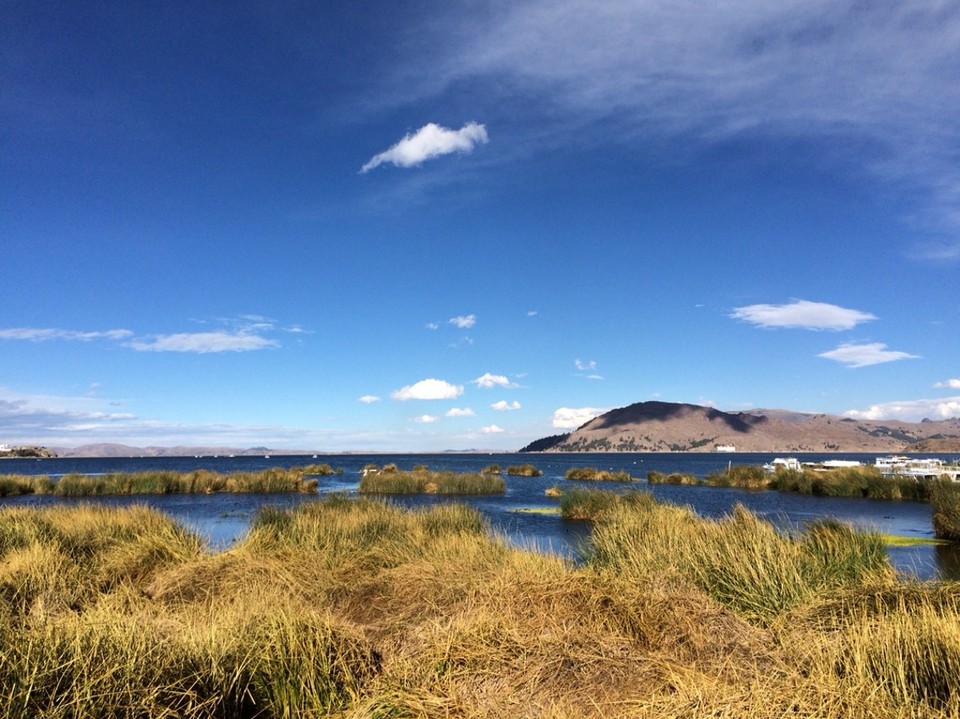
[(674, 427)]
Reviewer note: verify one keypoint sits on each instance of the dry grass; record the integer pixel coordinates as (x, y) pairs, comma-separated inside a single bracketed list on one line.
[(361, 609)]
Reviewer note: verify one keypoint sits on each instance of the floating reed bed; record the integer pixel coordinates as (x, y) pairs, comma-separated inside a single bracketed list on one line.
[(162, 482), (840, 482), (592, 474), (424, 481), (654, 477), (524, 470), (356, 608)]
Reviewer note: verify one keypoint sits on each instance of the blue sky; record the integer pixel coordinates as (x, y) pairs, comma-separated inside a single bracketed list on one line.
[(415, 226)]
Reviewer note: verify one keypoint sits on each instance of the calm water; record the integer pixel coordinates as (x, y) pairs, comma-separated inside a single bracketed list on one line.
[(224, 518)]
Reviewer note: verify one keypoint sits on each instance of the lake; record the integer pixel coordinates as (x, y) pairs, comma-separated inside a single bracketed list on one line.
[(224, 518)]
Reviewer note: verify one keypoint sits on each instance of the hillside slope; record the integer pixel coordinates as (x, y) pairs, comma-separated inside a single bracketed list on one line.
[(673, 427)]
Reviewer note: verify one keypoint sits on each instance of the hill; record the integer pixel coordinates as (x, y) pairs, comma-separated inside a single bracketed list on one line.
[(674, 427), (123, 450)]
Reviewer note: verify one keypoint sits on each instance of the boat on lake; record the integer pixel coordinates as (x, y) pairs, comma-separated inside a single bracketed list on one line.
[(783, 463), (916, 467)]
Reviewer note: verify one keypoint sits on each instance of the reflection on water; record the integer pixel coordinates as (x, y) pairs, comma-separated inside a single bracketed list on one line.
[(224, 518)]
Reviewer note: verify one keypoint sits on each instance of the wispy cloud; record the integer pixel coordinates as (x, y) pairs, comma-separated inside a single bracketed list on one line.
[(573, 417), (910, 410), (585, 366), (432, 326), (428, 389), (205, 342), (244, 334), (464, 322), (864, 355), (429, 141), (874, 84), (802, 314), (368, 399), (948, 384), (489, 381), (491, 429), (45, 334), (460, 412), (425, 419), (504, 406)]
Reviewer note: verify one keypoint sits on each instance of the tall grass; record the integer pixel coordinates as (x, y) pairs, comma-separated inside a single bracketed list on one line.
[(524, 470), (427, 482), (197, 482), (742, 476), (597, 475), (654, 477), (358, 608), (945, 502), (849, 482), (12, 485), (740, 560)]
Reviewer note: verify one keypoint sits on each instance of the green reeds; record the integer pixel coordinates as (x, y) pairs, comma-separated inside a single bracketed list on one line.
[(197, 482), (598, 475), (523, 470), (742, 561), (741, 476), (654, 477), (16, 484), (595, 504), (849, 482), (945, 502), (426, 482)]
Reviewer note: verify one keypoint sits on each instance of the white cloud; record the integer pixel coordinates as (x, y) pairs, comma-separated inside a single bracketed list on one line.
[(428, 142), (432, 326), (489, 381), (864, 355), (369, 399), (910, 410), (460, 412), (585, 366), (205, 342), (464, 322), (491, 429), (504, 406), (32, 334), (429, 389), (802, 314), (532, 313), (948, 384), (425, 419), (571, 418)]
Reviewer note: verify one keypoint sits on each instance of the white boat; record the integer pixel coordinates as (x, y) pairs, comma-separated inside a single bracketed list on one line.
[(916, 467), (783, 463), (725, 448)]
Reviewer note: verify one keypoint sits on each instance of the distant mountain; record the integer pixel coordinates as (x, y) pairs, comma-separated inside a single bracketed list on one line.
[(123, 450), (673, 427)]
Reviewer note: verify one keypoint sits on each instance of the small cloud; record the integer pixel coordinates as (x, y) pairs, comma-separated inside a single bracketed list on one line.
[(429, 389), (585, 366), (464, 322), (432, 326), (491, 429), (532, 313), (864, 355), (571, 418), (460, 412), (204, 342), (425, 419), (910, 410), (803, 315), (504, 406), (428, 142), (489, 381), (369, 399), (948, 384), (43, 334)]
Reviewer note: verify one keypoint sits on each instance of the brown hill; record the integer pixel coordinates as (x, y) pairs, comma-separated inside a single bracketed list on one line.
[(124, 450), (672, 427)]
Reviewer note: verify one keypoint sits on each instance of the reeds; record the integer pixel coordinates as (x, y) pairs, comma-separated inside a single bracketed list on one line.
[(427, 482), (12, 485), (524, 470), (268, 481), (849, 482), (654, 477), (358, 608), (592, 474), (742, 476), (945, 502)]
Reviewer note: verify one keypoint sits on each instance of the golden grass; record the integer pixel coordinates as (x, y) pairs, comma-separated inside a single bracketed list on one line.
[(356, 608)]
